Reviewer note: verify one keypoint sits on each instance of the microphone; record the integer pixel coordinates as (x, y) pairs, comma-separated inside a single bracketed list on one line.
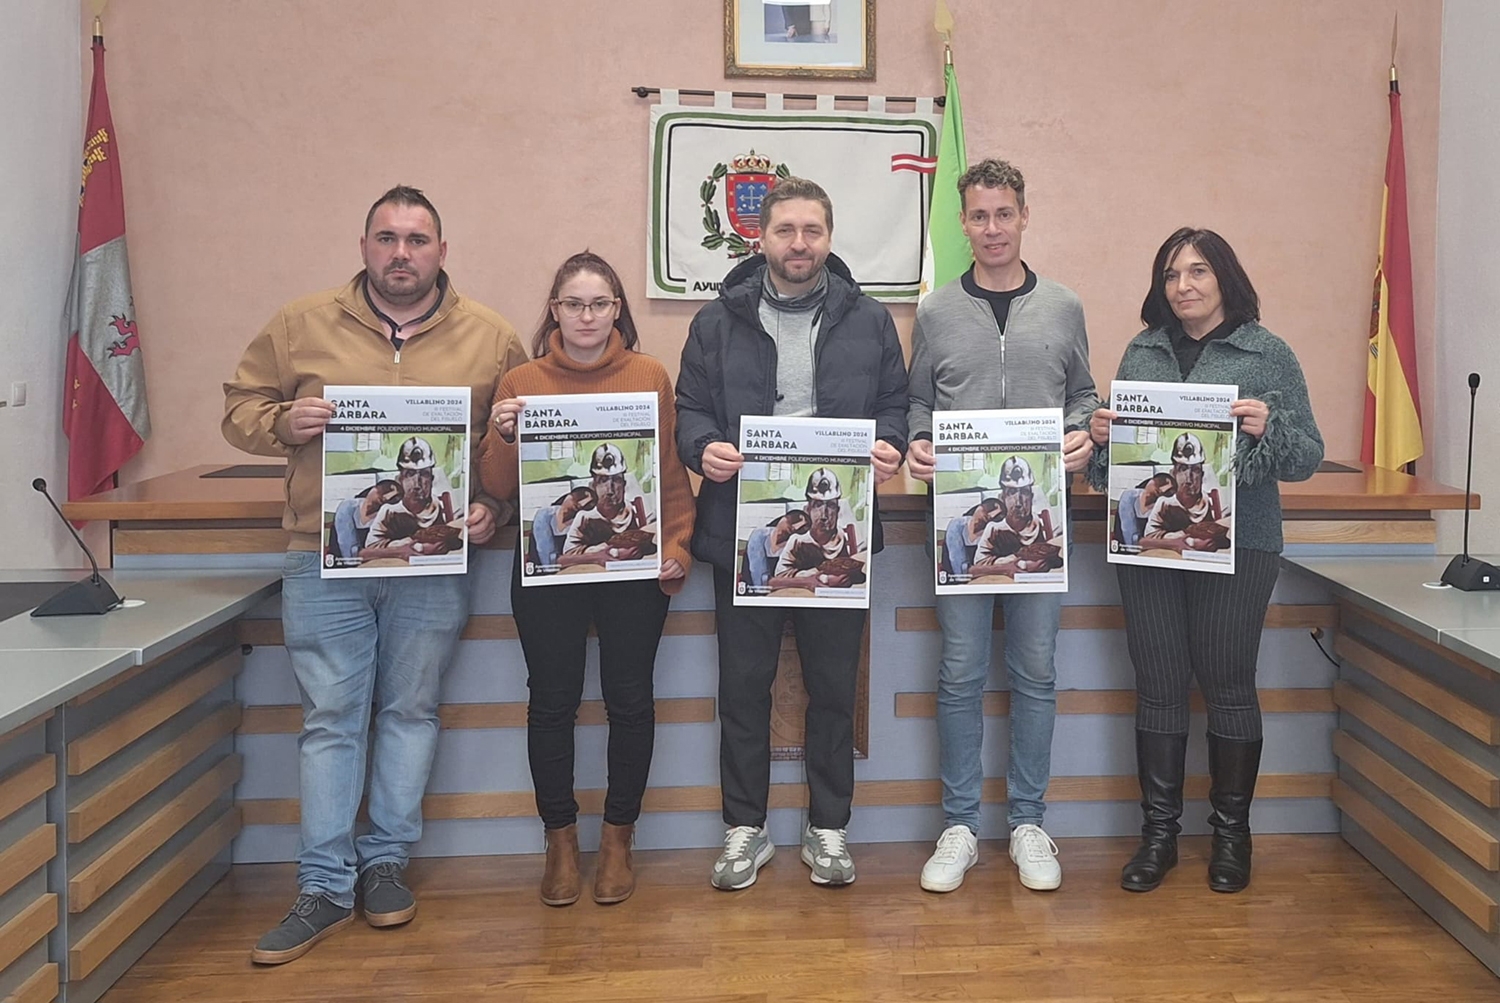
[(92, 595), (1464, 572)]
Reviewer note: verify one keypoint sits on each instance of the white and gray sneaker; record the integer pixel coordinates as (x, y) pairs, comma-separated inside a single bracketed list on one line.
[(1035, 856), (957, 851), (826, 851), (746, 850)]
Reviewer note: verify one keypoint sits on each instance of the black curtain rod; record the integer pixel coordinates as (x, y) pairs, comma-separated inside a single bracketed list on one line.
[(645, 92)]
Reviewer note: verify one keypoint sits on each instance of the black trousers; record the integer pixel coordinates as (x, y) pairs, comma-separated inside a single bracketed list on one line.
[(553, 622), (1185, 625), (828, 641)]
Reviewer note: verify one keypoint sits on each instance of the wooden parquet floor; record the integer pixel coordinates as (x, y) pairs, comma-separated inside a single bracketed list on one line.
[(1318, 925)]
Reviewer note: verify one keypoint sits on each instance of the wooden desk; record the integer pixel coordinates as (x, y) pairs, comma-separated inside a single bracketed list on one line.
[(187, 513)]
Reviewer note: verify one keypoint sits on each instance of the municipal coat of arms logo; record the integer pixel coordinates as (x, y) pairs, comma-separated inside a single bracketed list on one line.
[(747, 178)]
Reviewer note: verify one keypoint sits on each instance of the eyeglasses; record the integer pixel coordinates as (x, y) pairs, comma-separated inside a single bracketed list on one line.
[(573, 309)]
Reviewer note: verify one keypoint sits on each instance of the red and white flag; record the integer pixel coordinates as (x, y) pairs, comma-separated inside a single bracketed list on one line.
[(912, 162), (104, 400)]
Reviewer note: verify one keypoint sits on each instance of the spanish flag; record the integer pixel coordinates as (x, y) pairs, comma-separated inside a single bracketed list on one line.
[(1393, 405)]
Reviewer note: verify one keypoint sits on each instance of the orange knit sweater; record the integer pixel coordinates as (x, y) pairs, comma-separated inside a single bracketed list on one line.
[(618, 370)]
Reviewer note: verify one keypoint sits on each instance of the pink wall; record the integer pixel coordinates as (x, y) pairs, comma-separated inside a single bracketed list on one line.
[(255, 135)]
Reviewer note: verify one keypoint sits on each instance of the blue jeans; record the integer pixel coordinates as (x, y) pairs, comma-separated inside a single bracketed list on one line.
[(1031, 622), (354, 641)]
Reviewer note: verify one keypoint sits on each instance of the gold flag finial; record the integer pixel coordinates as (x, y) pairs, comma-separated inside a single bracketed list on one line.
[(942, 20)]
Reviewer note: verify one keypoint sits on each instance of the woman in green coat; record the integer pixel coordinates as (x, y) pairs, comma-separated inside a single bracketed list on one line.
[(1202, 326)]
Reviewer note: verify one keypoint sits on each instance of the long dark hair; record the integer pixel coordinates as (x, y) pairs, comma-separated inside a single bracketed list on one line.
[(584, 261), (1241, 304)]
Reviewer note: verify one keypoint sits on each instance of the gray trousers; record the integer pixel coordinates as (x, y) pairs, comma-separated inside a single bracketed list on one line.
[(1184, 625)]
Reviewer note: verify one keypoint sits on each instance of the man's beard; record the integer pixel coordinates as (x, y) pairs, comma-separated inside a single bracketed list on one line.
[(779, 269), (400, 297)]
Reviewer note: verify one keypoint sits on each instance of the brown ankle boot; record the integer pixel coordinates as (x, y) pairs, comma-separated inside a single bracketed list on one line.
[(613, 878), (560, 881)]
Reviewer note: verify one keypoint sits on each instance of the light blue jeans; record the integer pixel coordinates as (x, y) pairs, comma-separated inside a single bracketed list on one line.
[(1031, 622), (354, 642)]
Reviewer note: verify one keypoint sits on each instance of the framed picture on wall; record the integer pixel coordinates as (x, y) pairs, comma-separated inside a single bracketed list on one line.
[(780, 38)]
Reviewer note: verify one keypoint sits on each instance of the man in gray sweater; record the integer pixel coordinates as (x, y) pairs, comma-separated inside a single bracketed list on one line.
[(1000, 336)]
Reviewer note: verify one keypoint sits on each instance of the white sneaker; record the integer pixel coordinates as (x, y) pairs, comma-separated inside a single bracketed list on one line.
[(1036, 857), (957, 851)]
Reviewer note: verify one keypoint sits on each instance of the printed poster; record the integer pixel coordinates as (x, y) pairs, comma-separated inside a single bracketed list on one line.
[(999, 501), (1171, 476), (590, 488), (396, 482), (806, 501)]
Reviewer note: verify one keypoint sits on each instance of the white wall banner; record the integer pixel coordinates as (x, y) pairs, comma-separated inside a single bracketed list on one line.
[(711, 166)]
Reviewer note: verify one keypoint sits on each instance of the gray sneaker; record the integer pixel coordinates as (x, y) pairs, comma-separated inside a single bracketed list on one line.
[(386, 899), (746, 850), (826, 851), (312, 918)]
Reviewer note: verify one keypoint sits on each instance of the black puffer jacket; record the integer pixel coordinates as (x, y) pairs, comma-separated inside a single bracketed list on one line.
[(729, 371)]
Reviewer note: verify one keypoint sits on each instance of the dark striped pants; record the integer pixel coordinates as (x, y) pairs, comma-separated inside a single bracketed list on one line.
[(1184, 625)]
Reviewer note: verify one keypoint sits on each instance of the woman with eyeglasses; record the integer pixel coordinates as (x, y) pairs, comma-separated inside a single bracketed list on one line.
[(586, 344), (1202, 326)]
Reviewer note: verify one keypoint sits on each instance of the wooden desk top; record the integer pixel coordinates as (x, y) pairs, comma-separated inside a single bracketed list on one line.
[(187, 495)]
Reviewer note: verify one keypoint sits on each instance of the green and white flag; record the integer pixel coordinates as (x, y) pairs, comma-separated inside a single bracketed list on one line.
[(712, 165)]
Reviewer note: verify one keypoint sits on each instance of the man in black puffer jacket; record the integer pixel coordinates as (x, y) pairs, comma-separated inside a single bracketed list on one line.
[(790, 334)]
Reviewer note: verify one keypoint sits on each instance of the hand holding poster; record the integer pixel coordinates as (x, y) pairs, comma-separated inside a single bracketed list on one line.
[(590, 498), (396, 482), (806, 499), (1171, 476), (999, 503)]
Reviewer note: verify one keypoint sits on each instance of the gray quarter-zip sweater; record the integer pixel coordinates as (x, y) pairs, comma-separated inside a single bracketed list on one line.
[(961, 361)]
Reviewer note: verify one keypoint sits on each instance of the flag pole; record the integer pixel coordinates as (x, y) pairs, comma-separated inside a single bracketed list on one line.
[(1411, 465)]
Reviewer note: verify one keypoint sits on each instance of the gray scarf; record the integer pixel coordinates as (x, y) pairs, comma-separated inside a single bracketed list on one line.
[(809, 300)]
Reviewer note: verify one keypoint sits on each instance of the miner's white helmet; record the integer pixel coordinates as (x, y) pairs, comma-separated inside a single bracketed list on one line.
[(823, 486), (415, 454), (1016, 473), (607, 461), (1188, 449)]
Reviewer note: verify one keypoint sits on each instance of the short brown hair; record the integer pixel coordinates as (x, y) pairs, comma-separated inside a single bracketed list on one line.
[(407, 196), (790, 187), (992, 173)]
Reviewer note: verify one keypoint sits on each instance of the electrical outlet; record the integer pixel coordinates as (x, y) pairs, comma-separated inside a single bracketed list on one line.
[(17, 394)]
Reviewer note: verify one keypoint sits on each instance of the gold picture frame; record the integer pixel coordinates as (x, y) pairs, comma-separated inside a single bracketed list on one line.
[(777, 38)]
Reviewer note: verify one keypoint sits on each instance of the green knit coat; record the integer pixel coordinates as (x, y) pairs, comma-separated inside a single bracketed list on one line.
[(1264, 368)]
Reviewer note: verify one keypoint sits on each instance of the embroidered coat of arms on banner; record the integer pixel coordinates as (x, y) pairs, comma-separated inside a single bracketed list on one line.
[(711, 166)]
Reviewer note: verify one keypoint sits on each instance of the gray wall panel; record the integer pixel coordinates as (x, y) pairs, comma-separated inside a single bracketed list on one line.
[(1456, 923), (81, 923), (90, 989), (80, 855), (24, 968)]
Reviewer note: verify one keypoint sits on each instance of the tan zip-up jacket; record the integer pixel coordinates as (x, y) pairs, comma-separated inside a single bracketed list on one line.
[(334, 337)]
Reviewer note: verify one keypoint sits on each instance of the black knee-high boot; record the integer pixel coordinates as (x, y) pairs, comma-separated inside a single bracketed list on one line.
[(1159, 762), (1233, 767)]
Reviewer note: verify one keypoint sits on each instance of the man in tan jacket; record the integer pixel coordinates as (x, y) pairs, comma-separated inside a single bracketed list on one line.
[(354, 641)]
